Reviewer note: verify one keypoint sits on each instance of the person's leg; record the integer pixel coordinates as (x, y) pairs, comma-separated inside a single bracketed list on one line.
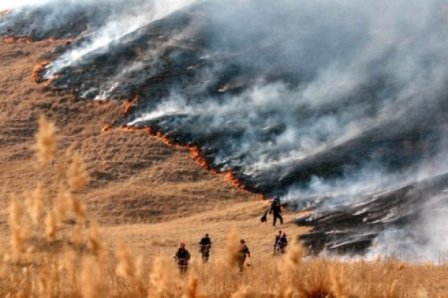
[(281, 218), (274, 220)]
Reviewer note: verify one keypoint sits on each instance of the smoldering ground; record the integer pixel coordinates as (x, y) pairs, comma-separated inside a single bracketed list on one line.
[(329, 104)]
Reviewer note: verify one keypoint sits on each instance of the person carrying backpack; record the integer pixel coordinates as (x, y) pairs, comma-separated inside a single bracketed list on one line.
[(242, 253), (204, 248), (276, 210), (182, 256), (282, 243)]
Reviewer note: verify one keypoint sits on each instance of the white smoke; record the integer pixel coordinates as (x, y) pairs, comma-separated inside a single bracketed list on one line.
[(134, 16), (361, 71)]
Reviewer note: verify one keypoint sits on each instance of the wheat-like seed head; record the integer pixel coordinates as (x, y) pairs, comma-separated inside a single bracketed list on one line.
[(91, 279), (37, 204), (163, 283), (78, 208), (76, 237), (95, 242), (192, 286), (126, 267), (62, 203), (77, 173), (45, 282), (16, 224), (51, 225), (46, 146), (233, 247)]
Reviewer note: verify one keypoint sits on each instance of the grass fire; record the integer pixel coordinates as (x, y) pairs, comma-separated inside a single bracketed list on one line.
[(252, 122)]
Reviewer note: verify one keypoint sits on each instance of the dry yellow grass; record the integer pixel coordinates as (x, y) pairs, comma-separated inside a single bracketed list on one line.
[(47, 262), (146, 198)]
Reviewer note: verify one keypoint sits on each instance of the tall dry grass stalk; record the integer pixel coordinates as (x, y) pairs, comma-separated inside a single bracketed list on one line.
[(163, 280), (62, 165), (77, 173), (337, 278), (92, 279), (62, 203), (57, 268), (51, 225), (126, 267), (95, 243), (46, 140), (192, 286), (233, 246), (45, 282), (18, 232), (37, 203)]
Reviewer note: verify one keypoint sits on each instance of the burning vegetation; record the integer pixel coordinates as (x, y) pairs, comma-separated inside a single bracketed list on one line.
[(329, 123)]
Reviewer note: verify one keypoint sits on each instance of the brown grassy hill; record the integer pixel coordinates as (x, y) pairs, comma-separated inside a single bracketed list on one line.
[(135, 178), (141, 191), (149, 197)]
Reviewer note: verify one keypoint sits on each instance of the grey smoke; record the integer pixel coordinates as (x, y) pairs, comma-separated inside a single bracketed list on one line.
[(325, 103)]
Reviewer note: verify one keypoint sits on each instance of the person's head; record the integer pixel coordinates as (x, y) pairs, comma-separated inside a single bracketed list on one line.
[(280, 232), (283, 234), (242, 241), (181, 245), (206, 235)]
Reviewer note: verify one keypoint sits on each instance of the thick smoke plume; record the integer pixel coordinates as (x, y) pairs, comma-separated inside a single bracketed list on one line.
[(339, 106)]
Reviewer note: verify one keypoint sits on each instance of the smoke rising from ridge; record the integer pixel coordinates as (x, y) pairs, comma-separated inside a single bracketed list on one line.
[(328, 104)]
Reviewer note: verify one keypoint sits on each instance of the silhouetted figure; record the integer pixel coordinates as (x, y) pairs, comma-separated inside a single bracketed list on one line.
[(276, 210), (204, 248), (243, 252), (282, 243), (277, 237), (182, 256)]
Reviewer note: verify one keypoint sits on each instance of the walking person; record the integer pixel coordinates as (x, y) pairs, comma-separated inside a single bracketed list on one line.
[(276, 210), (204, 247), (243, 252), (282, 243), (182, 256), (277, 237)]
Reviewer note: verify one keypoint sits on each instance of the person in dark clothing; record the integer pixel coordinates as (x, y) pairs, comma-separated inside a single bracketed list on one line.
[(204, 248), (277, 237), (282, 243), (276, 210), (242, 253), (182, 256)]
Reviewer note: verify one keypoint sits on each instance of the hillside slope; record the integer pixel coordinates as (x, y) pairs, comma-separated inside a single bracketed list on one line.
[(135, 178)]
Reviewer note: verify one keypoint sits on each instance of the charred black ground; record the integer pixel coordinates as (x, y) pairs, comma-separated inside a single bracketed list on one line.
[(237, 98)]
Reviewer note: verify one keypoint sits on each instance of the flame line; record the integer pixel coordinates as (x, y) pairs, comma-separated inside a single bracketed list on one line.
[(194, 152)]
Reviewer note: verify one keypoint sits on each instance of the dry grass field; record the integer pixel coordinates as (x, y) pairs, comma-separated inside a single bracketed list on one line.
[(101, 213)]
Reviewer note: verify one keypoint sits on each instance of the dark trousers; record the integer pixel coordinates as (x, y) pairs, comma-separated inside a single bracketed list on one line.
[(205, 252), (275, 216), (241, 260), (182, 265)]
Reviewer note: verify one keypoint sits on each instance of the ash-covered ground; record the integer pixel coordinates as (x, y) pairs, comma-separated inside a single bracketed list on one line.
[(335, 106)]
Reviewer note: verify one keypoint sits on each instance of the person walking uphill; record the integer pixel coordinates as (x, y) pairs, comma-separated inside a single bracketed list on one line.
[(276, 210), (242, 253), (282, 243), (204, 248), (182, 256), (277, 238)]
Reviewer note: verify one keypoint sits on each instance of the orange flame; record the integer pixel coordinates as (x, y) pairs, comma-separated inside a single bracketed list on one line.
[(195, 152), (230, 177), (4, 12), (128, 106), (14, 39), (106, 128), (37, 71)]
